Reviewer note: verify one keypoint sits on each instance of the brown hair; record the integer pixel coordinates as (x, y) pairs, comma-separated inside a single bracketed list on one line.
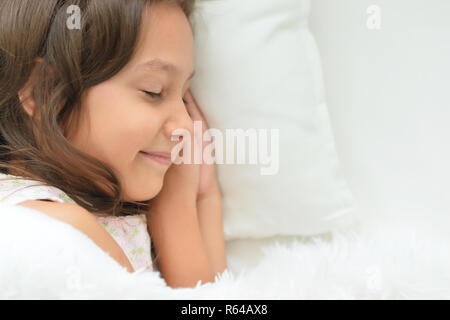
[(73, 61)]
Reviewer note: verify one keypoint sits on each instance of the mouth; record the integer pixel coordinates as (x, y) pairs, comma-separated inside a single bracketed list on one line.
[(162, 158)]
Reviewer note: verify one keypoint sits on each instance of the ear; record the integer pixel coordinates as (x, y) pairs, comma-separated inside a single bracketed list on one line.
[(25, 94)]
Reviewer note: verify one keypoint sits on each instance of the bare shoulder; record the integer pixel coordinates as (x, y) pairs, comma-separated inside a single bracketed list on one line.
[(84, 221)]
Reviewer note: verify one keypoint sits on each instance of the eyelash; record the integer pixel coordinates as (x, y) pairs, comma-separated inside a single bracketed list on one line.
[(158, 95)]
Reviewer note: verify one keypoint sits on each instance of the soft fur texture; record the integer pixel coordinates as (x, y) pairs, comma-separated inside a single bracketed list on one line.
[(381, 258)]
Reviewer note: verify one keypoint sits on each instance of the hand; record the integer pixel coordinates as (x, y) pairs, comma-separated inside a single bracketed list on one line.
[(181, 181), (208, 183)]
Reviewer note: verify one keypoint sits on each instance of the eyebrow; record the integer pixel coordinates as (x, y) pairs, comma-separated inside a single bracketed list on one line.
[(158, 64)]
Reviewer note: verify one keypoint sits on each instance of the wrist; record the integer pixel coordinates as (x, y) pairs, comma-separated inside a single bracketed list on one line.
[(216, 196), (212, 193), (180, 202), (211, 203)]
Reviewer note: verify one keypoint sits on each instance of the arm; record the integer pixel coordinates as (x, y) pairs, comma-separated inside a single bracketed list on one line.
[(174, 228), (209, 200), (211, 228), (181, 254)]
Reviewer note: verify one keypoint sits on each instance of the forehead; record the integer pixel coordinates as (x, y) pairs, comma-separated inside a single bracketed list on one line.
[(165, 35)]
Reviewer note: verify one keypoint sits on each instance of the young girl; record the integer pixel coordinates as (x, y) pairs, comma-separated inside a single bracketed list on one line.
[(87, 117)]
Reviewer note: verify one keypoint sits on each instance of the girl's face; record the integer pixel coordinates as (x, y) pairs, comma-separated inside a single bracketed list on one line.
[(119, 119)]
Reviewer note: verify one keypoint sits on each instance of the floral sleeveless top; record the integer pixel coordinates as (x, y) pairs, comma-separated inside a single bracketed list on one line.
[(130, 232)]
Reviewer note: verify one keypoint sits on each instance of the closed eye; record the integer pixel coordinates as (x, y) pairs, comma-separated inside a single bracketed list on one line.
[(158, 95), (153, 95)]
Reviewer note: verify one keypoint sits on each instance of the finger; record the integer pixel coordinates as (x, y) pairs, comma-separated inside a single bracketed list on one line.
[(193, 109)]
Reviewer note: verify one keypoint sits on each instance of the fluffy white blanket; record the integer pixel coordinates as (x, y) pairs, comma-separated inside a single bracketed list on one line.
[(381, 258)]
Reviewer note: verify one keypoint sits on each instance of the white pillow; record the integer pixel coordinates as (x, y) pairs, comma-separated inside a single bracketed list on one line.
[(257, 66)]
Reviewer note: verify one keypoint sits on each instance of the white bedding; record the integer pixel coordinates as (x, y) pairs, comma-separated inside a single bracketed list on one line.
[(381, 258)]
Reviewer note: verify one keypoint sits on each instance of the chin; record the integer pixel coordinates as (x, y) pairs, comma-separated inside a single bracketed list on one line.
[(144, 192)]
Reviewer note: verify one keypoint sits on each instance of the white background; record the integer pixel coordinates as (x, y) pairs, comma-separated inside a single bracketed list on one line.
[(388, 93)]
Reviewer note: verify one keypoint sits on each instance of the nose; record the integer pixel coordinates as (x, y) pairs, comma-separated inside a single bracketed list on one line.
[(178, 121)]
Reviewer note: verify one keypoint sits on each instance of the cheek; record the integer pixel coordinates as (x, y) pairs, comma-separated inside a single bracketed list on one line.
[(120, 126)]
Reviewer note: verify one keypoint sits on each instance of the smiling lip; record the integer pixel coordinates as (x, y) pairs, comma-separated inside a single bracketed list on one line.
[(160, 157)]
